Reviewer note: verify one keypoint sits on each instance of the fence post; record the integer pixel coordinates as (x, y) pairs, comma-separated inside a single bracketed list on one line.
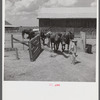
[(17, 56), (30, 52), (83, 37), (12, 40), (23, 44)]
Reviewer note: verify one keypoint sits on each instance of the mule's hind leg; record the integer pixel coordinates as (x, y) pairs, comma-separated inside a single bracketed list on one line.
[(43, 41), (54, 47), (63, 47), (58, 46), (68, 47), (51, 46)]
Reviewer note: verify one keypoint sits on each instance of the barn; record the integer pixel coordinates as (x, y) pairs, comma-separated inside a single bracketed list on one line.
[(69, 19), (9, 28)]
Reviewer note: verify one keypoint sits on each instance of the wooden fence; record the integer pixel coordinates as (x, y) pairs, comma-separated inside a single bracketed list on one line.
[(34, 46), (19, 41), (13, 49)]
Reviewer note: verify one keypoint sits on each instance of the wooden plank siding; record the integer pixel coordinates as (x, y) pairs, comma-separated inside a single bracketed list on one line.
[(73, 25)]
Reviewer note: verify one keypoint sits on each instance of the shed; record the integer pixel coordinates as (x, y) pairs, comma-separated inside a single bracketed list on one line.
[(10, 28), (74, 19)]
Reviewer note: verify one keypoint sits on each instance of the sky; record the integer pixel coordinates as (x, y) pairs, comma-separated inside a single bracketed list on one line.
[(25, 12)]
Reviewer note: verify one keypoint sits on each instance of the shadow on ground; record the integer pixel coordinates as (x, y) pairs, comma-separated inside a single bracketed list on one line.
[(61, 53)]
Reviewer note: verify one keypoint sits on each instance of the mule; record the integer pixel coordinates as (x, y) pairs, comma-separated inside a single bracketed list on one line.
[(43, 37), (29, 32), (55, 39), (65, 39)]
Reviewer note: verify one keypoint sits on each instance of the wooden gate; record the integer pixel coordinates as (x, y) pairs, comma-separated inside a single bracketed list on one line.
[(34, 48)]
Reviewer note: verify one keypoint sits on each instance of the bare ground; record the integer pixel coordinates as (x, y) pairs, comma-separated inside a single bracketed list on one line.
[(49, 66)]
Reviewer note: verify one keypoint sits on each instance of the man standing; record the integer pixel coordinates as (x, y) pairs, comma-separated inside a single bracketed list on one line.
[(73, 50), (48, 35)]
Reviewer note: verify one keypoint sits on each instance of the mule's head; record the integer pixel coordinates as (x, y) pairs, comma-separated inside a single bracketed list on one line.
[(48, 34), (60, 35), (58, 38), (71, 35), (63, 39)]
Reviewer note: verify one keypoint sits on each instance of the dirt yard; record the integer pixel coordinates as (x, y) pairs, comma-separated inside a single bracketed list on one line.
[(49, 66)]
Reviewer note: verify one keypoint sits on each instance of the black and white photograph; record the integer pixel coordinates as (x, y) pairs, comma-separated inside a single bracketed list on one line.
[(50, 40)]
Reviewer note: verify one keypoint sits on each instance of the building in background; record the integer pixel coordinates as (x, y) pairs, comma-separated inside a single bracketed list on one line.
[(69, 19), (9, 28)]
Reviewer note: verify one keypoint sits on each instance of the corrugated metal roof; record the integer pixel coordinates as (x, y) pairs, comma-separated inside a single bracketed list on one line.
[(77, 12)]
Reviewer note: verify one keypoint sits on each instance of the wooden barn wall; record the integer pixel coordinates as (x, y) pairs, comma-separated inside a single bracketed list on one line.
[(73, 25), (84, 23)]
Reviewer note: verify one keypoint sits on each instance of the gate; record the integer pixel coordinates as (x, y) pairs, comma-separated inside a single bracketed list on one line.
[(34, 48)]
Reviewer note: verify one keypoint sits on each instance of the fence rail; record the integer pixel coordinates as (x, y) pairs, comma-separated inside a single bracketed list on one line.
[(19, 41), (34, 46)]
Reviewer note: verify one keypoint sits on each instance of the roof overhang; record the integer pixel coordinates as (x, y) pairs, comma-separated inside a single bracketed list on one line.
[(79, 12), (11, 26)]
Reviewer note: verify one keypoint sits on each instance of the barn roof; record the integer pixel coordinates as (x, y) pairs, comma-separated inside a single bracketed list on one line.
[(7, 23), (73, 12), (11, 26)]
